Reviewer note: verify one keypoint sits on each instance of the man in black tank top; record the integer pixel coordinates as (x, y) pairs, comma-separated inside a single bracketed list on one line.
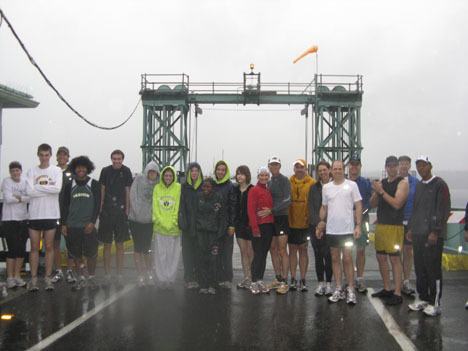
[(389, 197)]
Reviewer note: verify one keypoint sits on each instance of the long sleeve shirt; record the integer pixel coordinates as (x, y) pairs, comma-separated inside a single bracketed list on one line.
[(259, 197), (14, 208)]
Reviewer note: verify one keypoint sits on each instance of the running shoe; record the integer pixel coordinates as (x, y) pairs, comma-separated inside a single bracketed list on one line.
[(303, 286), (263, 288), (275, 284), (293, 284), (70, 277), (20, 282), (328, 290), (350, 296), (432, 311), (466, 305), (11, 283), (58, 276), (244, 284), (226, 284), (211, 291), (407, 289), (32, 285), (203, 291), (337, 295), (92, 283), (320, 290), (80, 284), (383, 293), (150, 281), (191, 285), (361, 286), (418, 305), (49, 285), (254, 288), (283, 288), (141, 282), (394, 300)]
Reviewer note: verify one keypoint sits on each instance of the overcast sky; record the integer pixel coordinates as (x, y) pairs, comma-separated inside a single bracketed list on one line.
[(412, 55)]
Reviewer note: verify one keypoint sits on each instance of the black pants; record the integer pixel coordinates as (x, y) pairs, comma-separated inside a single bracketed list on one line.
[(208, 253), (261, 246), (190, 256), (428, 269), (16, 235), (323, 261), (226, 247)]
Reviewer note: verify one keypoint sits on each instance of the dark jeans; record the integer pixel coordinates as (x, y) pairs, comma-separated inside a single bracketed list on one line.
[(261, 246), (224, 261), (428, 268), (323, 261), (190, 256)]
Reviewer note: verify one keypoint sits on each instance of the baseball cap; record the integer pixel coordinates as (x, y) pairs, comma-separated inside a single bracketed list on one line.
[(63, 149), (274, 159), (355, 157), (301, 162), (423, 158), (391, 160)]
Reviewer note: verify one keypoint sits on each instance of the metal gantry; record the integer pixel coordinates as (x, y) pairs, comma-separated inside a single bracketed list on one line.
[(167, 99)]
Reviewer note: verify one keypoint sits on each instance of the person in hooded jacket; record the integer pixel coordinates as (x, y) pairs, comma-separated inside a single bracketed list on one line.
[(166, 202), (224, 187), (210, 229), (141, 221), (187, 222)]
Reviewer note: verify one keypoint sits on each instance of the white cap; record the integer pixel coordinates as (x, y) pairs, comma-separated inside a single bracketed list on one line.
[(274, 159), (423, 158)]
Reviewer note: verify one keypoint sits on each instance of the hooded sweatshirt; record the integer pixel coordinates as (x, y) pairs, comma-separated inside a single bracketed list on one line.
[(225, 188), (141, 196), (188, 202), (166, 201), (299, 211), (259, 197)]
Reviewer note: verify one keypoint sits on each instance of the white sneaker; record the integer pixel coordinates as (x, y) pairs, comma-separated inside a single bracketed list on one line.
[(432, 311), (226, 284), (254, 288), (350, 296), (337, 295), (320, 290), (49, 286), (150, 281), (11, 283), (211, 291), (141, 282), (328, 290), (263, 288), (58, 276), (418, 305), (20, 282), (70, 277)]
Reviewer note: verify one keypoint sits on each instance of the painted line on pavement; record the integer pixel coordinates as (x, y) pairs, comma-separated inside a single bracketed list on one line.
[(80, 320), (392, 326)]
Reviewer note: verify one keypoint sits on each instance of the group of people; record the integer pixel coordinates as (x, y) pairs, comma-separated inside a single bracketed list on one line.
[(200, 218)]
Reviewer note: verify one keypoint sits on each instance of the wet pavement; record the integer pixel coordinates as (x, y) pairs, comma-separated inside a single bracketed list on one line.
[(177, 319)]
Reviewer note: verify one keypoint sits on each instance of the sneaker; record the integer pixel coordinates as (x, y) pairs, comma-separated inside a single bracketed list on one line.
[(407, 289), (394, 300), (254, 288), (337, 295), (293, 284), (20, 282), (150, 281), (211, 291), (328, 290), (244, 284), (80, 284), (350, 296), (383, 293), (275, 284), (203, 291), (141, 282), (92, 283), (70, 277), (303, 286), (191, 285), (418, 305), (58, 276), (49, 285), (361, 286), (226, 284), (283, 288), (262, 287), (11, 283), (32, 285), (466, 305), (320, 290), (432, 311)]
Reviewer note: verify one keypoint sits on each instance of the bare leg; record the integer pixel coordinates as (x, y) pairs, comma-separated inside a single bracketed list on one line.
[(360, 261), (303, 259), (397, 270), (119, 257), (293, 260), (245, 256), (10, 263), (384, 270), (57, 254), (35, 237), (348, 266), (274, 253), (18, 266), (336, 265), (407, 261), (49, 238), (283, 254), (107, 258), (91, 265)]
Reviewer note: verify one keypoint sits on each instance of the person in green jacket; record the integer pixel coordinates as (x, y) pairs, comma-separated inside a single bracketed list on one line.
[(166, 201)]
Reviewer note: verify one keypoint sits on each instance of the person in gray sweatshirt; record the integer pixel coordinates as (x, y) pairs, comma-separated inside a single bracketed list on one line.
[(140, 218)]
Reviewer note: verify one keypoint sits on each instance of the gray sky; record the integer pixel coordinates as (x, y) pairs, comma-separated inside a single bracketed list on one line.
[(412, 55)]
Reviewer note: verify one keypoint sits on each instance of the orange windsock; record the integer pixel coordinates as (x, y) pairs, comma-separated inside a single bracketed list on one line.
[(310, 50)]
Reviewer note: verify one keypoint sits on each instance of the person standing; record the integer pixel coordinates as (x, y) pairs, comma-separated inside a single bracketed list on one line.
[(365, 189), (115, 181), (14, 223), (80, 205), (187, 222), (241, 224), (141, 221), (389, 197), (299, 223), (262, 229), (404, 165), (280, 189), (225, 188), (323, 261), (44, 183), (166, 203), (466, 237), (427, 231), (340, 219)]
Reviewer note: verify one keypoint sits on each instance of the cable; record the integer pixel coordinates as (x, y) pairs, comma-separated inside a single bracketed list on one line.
[(49, 83)]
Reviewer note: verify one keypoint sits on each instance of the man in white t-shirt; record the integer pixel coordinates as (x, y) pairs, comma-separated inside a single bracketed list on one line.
[(44, 183), (342, 225)]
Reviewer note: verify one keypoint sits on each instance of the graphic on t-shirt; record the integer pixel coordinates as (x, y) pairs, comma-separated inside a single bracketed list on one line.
[(167, 202), (44, 179)]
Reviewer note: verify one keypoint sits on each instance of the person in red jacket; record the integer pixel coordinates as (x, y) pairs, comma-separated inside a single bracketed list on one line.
[(262, 229)]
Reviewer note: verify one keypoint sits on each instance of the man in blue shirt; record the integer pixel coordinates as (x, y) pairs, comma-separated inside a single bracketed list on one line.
[(365, 189), (404, 165)]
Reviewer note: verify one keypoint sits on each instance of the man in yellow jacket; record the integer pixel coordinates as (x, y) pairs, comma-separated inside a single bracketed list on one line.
[(299, 223)]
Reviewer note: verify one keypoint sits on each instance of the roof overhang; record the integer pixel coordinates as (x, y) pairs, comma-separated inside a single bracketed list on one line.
[(12, 98)]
